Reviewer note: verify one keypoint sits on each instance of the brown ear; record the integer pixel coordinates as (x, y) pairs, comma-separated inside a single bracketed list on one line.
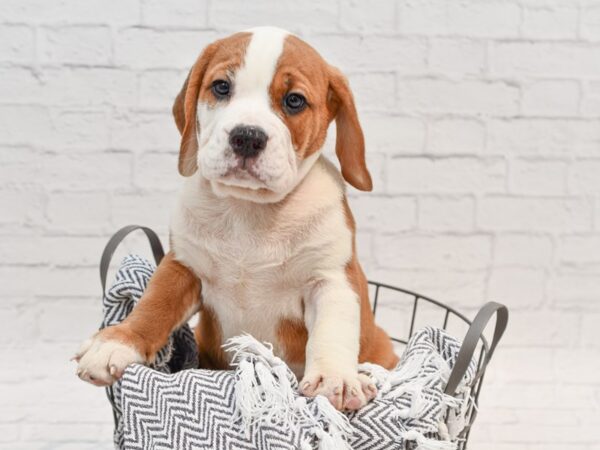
[(184, 111), (350, 142)]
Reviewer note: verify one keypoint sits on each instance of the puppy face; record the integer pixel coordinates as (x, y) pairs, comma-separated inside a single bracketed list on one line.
[(254, 114)]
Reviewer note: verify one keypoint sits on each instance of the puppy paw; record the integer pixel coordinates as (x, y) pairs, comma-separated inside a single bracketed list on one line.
[(344, 391), (102, 360)]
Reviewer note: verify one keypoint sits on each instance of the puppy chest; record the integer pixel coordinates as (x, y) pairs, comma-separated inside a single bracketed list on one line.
[(253, 308)]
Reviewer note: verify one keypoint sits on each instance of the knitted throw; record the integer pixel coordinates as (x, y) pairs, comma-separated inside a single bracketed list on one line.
[(257, 406)]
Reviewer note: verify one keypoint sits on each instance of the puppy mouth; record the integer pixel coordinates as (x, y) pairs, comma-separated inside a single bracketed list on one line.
[(243, 175)]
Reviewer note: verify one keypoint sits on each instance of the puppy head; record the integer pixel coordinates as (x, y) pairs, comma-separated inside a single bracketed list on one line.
[(253, 115)]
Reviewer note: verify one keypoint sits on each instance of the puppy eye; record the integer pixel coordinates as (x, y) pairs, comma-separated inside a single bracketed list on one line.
[(220, 89), (294, 103)]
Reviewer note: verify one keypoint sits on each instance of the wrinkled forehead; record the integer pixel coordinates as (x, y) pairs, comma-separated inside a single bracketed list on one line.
[(254, 58)]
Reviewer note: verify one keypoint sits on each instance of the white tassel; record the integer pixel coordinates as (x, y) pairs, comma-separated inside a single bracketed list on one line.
[(265, 391), (424, 443)]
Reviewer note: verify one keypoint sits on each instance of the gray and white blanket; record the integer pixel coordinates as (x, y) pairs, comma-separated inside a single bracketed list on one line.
[(256, 406)]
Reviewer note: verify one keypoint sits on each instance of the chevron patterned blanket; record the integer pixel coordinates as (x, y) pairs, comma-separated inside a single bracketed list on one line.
[(172, 404)]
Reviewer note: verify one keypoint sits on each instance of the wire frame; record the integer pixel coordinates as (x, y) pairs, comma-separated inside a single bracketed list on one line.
[(449, 314)]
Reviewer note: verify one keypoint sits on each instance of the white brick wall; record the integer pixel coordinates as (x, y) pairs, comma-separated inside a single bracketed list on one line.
[(483, 128)]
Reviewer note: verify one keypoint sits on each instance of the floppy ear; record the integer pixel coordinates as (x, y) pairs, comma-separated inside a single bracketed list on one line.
[(184, 111), (350, 142)]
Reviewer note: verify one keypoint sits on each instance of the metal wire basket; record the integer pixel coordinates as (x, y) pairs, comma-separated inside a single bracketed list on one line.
[(408, 304), (474, 342)]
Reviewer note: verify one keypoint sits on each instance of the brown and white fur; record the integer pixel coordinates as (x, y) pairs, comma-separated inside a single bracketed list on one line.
[(261, 245)]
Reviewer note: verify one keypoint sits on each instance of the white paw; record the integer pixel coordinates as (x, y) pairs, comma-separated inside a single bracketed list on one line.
[(348, 392), (102, 362)]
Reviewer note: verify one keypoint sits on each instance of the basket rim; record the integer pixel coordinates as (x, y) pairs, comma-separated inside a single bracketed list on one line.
[(418, 296)]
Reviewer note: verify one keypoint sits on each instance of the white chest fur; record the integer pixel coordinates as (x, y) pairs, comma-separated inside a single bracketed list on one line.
[(255, 261)]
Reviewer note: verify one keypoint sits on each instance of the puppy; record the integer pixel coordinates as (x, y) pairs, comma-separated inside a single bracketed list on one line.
[(262, 239)]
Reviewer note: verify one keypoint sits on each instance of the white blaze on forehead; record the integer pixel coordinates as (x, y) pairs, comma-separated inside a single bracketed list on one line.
[(260, 61)]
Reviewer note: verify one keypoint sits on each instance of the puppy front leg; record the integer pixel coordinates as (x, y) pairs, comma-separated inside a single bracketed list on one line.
[(332, 315), (172, 296)]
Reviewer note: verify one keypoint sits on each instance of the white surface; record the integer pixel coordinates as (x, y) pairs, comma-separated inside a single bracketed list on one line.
[(483, 134)]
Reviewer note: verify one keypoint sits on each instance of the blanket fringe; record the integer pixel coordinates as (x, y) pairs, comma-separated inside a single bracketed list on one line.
[(265, 391), (424, 443)]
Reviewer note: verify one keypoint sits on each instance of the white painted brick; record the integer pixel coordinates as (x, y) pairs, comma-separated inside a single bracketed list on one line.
[(78, 212), (50, 433), (144, 48), (288, 14), (455, 288), (543, 435), (584, 176), (64, 282), (446, 213), (493, 18), (445, 175), (580, 250), (75, 171), (373, 91), (179, 14), (17, 43), (19, 325), (156, 129), (509, 364), (12, 289), (89, 45), (117, 12), (582, 365), (534, 214), (16, 161), (157, 171), (16, 131), (517, 287), (458, 100), (469, 18), (590, 21), (152, 209), (457, 56), (19, 85), (436, 251), (575, 289), (364, 245), (550, 22), (86, 86), (589, 331), (89, 317), (374, 53), (158, 88), (79, 130), (423, 17), (535, 395), (535, 176), (523, 250), (56, 250), (21, 208), (552, 98), (590, 99), (23, 250), (456, 136), (543, 137), (378, 15), (9, 432), (544, 58), (540, 328), (393, 135), (384, 214), (463, 97), (376, 163), (559, 417)]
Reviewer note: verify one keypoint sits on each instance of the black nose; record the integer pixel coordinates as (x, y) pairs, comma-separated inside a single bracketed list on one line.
[(247, 141)]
